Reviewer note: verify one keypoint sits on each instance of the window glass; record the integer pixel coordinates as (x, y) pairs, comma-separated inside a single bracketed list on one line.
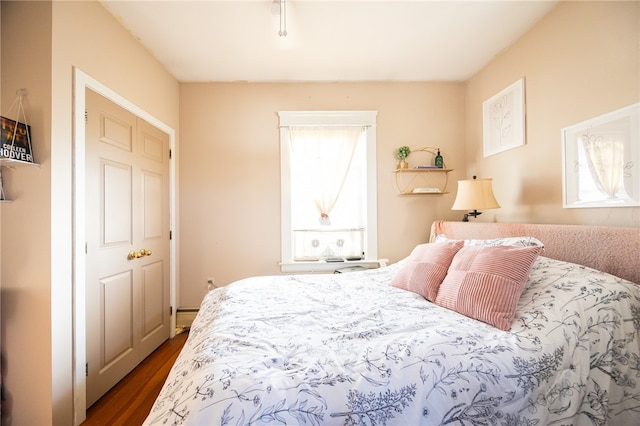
[(328, 187)]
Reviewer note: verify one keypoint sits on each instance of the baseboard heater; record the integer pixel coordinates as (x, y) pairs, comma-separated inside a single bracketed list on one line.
[(184, 318)]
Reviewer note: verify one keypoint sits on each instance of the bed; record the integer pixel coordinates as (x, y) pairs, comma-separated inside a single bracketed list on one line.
[(372, 348)]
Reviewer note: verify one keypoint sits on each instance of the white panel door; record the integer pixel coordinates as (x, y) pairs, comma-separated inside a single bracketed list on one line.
[(153, 235), (127, 259)]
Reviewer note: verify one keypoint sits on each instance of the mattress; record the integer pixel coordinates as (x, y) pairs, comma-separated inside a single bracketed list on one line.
[(350, 349)]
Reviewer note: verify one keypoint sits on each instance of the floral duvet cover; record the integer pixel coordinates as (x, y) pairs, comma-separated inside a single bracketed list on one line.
[(348, 349)]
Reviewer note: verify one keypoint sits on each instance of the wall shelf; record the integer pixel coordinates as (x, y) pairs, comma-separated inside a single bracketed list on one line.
[(431, 181), (418, 175), (7, 162), (11, 163), (15, 131)]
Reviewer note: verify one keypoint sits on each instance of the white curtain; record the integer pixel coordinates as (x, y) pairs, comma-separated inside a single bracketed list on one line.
[(605, 159), (322, 157)]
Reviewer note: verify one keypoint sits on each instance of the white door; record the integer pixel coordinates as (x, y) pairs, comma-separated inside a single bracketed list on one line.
[(127, 252)]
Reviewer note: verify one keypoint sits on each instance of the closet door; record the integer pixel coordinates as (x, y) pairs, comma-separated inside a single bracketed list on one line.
[(127, 255)]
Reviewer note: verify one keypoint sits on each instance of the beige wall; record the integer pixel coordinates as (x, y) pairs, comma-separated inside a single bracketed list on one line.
[(37, 308), (580, 61), (230, 168), (26, 229)]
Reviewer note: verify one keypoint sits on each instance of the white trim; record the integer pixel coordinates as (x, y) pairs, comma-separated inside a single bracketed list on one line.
[(322, 266), (327, 118), (331, 118), (82, 81)]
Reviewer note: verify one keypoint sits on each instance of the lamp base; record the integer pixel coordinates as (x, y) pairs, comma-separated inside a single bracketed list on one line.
[(474, 213)]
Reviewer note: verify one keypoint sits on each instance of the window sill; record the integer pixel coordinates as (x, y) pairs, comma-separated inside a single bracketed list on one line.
[(322, 266)]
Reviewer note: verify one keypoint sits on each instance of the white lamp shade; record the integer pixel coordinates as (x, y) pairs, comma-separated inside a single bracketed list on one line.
[(475, 194)]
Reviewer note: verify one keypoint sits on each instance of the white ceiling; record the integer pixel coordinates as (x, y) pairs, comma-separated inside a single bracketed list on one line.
[(328, 40)]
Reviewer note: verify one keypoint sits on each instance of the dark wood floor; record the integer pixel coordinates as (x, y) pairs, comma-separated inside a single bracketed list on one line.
[(129, 402)]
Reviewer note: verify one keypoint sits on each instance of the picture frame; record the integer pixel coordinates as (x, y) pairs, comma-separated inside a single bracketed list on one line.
[(503, 119), (601, 160)]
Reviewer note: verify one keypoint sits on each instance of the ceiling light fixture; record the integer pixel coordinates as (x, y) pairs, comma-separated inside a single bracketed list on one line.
[(283, 16)]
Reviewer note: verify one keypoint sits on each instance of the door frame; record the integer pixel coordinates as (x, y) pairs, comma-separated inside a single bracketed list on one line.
[(81, 82)]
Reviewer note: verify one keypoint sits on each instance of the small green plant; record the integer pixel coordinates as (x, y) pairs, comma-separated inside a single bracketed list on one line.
[(403, 152)]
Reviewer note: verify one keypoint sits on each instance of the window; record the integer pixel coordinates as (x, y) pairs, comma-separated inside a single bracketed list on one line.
[(601, 162), (328, 188)]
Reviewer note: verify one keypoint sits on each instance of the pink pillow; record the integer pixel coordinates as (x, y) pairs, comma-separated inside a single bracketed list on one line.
[(485, 283), (426, 267)]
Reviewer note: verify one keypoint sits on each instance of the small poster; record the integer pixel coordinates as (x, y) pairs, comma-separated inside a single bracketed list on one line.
[(15, 140)]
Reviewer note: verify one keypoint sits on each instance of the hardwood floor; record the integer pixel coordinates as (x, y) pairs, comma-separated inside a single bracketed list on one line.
[(129, 402)]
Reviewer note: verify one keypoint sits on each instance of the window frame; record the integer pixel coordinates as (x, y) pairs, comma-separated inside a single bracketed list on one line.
[(367, 119)]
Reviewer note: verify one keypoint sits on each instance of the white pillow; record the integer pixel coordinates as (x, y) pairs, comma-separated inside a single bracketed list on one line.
[(507, 241)]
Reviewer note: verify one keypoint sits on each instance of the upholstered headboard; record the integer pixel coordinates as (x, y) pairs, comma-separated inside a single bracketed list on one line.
[(615, 250)]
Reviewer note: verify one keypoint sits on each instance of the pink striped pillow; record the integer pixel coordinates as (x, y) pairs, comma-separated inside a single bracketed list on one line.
[(426, 267), (485, 283)]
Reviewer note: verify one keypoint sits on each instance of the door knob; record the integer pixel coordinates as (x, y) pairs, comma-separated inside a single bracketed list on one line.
[(136, 254)]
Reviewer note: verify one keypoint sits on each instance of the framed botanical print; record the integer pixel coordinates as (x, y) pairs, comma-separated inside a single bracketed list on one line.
[(503, 119)]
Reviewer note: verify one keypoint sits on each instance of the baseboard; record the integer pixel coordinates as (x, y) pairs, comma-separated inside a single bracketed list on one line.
[(185, 317)]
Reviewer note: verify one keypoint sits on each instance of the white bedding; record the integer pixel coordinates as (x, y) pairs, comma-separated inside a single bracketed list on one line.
[(350, 349)]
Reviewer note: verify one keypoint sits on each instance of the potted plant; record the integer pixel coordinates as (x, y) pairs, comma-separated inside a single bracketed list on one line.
[(402, 153)]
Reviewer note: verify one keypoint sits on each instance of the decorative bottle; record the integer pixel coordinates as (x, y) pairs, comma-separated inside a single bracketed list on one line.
[(439, 161)]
